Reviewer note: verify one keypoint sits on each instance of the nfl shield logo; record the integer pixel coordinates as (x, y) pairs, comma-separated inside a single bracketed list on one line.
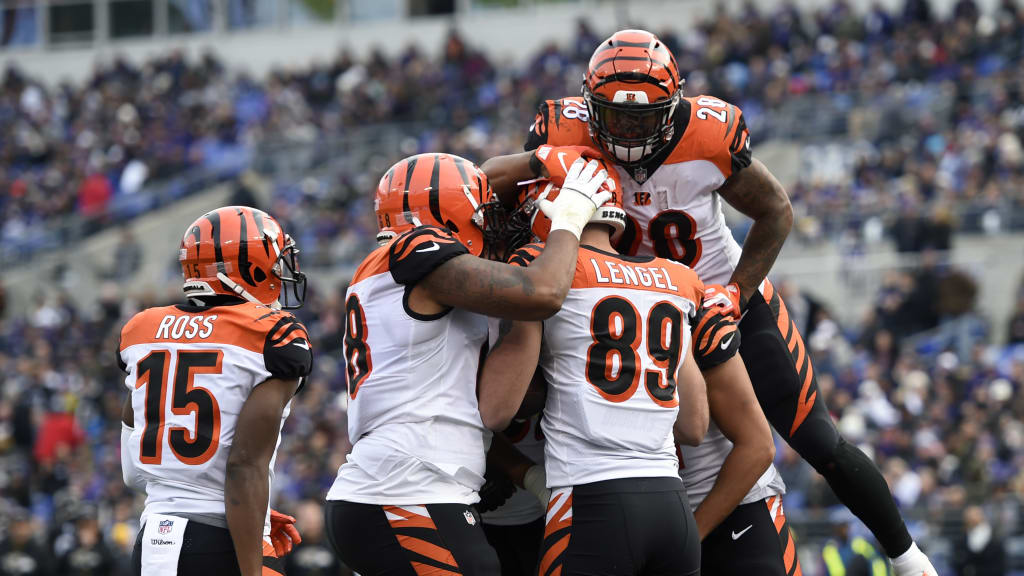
[(165, 526), (470, 519)]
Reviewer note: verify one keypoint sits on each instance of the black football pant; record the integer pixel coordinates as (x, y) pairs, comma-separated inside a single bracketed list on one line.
[(434, 539), (753, 539), (518, 546), (624, 527), (780, 369), (209, 551)]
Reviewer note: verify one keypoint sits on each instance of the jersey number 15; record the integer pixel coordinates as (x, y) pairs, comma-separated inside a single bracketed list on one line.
[(186, 398)]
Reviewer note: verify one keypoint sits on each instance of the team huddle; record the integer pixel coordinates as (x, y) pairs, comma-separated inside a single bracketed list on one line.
[(559, 362)]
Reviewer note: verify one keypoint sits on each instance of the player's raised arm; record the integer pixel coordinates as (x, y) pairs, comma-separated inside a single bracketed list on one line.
[(553, 162), (533, 293), (755, 192), (247, 485)]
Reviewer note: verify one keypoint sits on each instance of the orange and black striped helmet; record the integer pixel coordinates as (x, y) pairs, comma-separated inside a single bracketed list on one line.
[(441, 190), (632, 89), (241, 251), (528, 224)]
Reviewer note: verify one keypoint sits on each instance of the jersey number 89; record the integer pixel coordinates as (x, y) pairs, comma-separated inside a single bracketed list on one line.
[(614, 327)]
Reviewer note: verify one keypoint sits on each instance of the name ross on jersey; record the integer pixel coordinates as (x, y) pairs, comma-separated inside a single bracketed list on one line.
[(173, 327), (627, 275)]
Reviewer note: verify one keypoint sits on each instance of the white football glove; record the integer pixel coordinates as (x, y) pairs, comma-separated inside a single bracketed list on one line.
[(535, 481), (579, 198)]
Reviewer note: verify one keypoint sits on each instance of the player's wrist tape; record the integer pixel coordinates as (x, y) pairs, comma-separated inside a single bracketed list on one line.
[(574, 212)]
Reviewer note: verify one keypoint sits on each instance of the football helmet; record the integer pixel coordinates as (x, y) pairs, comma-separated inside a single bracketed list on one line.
[(632, 89), (527, 222), (242, 251), (441, 190)]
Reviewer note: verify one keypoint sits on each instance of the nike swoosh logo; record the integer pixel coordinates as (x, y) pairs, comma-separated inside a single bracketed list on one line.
[(736, 535), (725, 343), (433, 246), (561, 160), (302, 345)]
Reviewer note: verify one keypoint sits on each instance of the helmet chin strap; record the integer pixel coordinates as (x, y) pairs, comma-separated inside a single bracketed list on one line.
[(238, 289)]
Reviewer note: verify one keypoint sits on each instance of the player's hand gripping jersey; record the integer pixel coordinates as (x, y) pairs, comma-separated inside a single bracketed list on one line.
[(190, 370), (412, 416), (609, 413), (670, 199)]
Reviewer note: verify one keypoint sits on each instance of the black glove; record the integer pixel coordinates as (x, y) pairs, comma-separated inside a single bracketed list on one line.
[(497, 489)]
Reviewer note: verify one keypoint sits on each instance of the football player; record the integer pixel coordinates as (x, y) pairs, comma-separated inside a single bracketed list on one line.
[(733, 463), (415, 331), (735, 490), (209, 387), (612, 357), (678, 158)]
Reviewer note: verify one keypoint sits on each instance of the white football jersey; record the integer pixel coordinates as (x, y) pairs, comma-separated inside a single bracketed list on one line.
[(671, 202), (413, 417), (190, 370), (610, 357), (699, 466)]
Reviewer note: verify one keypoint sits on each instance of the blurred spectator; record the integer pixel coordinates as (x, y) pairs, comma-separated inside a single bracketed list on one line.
[(980, 552), (315, 557), (89, 555), (849, 555), (21, 553)]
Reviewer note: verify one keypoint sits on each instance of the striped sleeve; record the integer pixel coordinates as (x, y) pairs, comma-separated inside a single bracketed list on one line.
[(715, 337), (526, 255), (287, 352), (538, 135), (420, 251)]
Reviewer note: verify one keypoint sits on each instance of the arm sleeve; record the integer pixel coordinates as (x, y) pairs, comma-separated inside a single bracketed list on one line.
[(715, 338), (524, 256), (738, 139), (419, 252), (287, 353), (129, 473), (538, 135)]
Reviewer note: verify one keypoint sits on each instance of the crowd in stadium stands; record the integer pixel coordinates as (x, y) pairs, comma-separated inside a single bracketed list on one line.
[(924, 382), (933, 111)]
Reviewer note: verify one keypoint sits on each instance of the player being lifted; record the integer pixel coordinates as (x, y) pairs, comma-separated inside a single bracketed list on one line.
[(732, 465), (210, 384), (612, 358), (415, 330), (679, 158)]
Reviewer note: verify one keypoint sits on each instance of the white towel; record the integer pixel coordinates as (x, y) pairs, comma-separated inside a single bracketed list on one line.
[(161, 544)]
